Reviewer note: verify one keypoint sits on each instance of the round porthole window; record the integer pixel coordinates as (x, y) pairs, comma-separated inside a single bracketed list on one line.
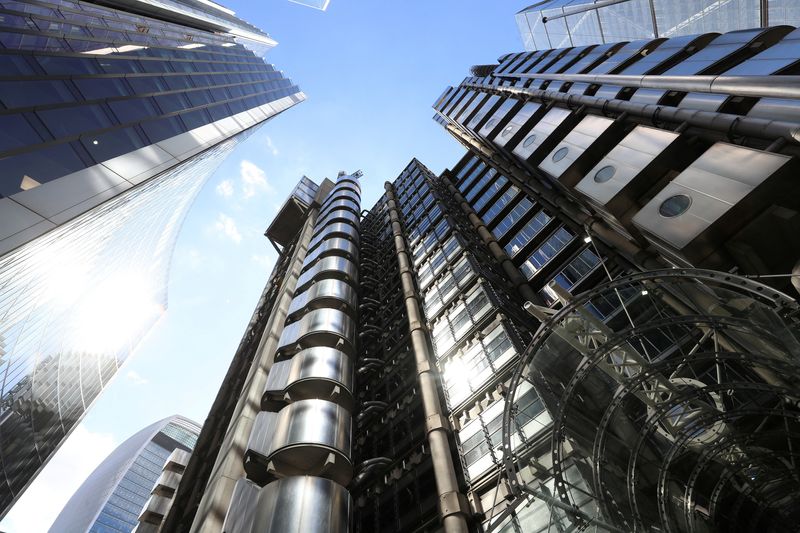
[(529, 140), (604, 174), (491, 123), (675, 205), (560, 154), (508, 131)]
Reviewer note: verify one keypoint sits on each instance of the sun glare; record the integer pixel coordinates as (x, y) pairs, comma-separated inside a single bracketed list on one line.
[(113, 313)]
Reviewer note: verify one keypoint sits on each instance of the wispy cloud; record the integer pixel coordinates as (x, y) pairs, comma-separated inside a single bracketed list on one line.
[(226, 226), (272, 148), (254, 179), (262, 260), (40, 504), (225, 188), (136, 378)]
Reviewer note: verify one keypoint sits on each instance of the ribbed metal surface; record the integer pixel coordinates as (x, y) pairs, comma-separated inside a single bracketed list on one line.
[(303, 504)]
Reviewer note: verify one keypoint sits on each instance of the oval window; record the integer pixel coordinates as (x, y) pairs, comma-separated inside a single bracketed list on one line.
[(604, 174), (491, 123), (529, 140), (508, 131), (560, 154), (675, 205)]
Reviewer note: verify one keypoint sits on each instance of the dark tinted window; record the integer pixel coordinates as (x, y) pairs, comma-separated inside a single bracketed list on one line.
[(16, 132), (31, 93), (158, 130), (74, 120), (112, 143), (68, 65), (134, 109), (96, 88), (40, 165)]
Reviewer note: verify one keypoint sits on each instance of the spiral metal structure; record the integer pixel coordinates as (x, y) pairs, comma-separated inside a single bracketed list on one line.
[(674, 396)]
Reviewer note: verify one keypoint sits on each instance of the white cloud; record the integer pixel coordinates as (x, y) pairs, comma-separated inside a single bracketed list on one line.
[(136, 378), (262, 260), (39, 506), (225, 188), (254, 179), (227, 227), (272, 148)]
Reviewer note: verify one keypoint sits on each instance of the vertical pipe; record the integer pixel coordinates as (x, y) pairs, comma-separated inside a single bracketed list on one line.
[(452, 504), (510, 270), (228, 467)]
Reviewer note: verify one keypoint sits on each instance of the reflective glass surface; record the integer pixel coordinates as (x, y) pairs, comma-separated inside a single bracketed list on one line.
[(114, 495)]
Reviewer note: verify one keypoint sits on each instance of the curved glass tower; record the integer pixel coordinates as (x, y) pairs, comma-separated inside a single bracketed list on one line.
[(113, 117), (112, 497)]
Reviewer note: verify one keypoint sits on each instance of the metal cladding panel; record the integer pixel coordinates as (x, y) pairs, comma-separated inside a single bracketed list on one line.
[(703, 101), (284, 505), (341, 192), (337, 205), (710, 200), (467, 99), (340, 230), (667, 53), (488, 107), (533, 60), (628, 54), (333, 246), (460, 93), (711, 59), (518, 124), (443, 98), (328, 267), (306, 437), (331, 293), (242, 509), (776, 109), (320, 327), (314, 373), (499, 117), (545, 134), (628, 171), (580, 149), (773, 60), (339, 215), (468, 110)]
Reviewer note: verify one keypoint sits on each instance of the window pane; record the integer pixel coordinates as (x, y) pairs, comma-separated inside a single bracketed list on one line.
[(74, 120), (40, 165), (31, 93), (112, 143)]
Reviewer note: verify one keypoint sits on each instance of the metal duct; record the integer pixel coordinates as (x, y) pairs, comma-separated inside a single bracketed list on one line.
[(333, 293), (320, 327), (329, 267), (240, 515), (303, 504), (318, 372), (305, 437)]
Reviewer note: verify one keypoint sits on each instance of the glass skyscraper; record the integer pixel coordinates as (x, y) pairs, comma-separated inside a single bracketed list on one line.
[(113, 496), (113, 117), (560, 23)]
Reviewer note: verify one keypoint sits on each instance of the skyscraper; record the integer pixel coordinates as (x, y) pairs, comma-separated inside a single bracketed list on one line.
[(558, 23), (584, 324), (113, 496), (114, 116)]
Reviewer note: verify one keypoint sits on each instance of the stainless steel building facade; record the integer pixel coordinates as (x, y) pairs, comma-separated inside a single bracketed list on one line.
[(114, 495), (113, 117), (586, 324)]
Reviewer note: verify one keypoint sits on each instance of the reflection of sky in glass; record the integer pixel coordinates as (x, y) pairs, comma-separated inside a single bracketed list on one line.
[(73, 305), (322, 5), (634, 20)]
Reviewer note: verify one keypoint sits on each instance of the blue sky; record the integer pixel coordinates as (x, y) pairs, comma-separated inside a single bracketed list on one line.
[(371, 70)]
